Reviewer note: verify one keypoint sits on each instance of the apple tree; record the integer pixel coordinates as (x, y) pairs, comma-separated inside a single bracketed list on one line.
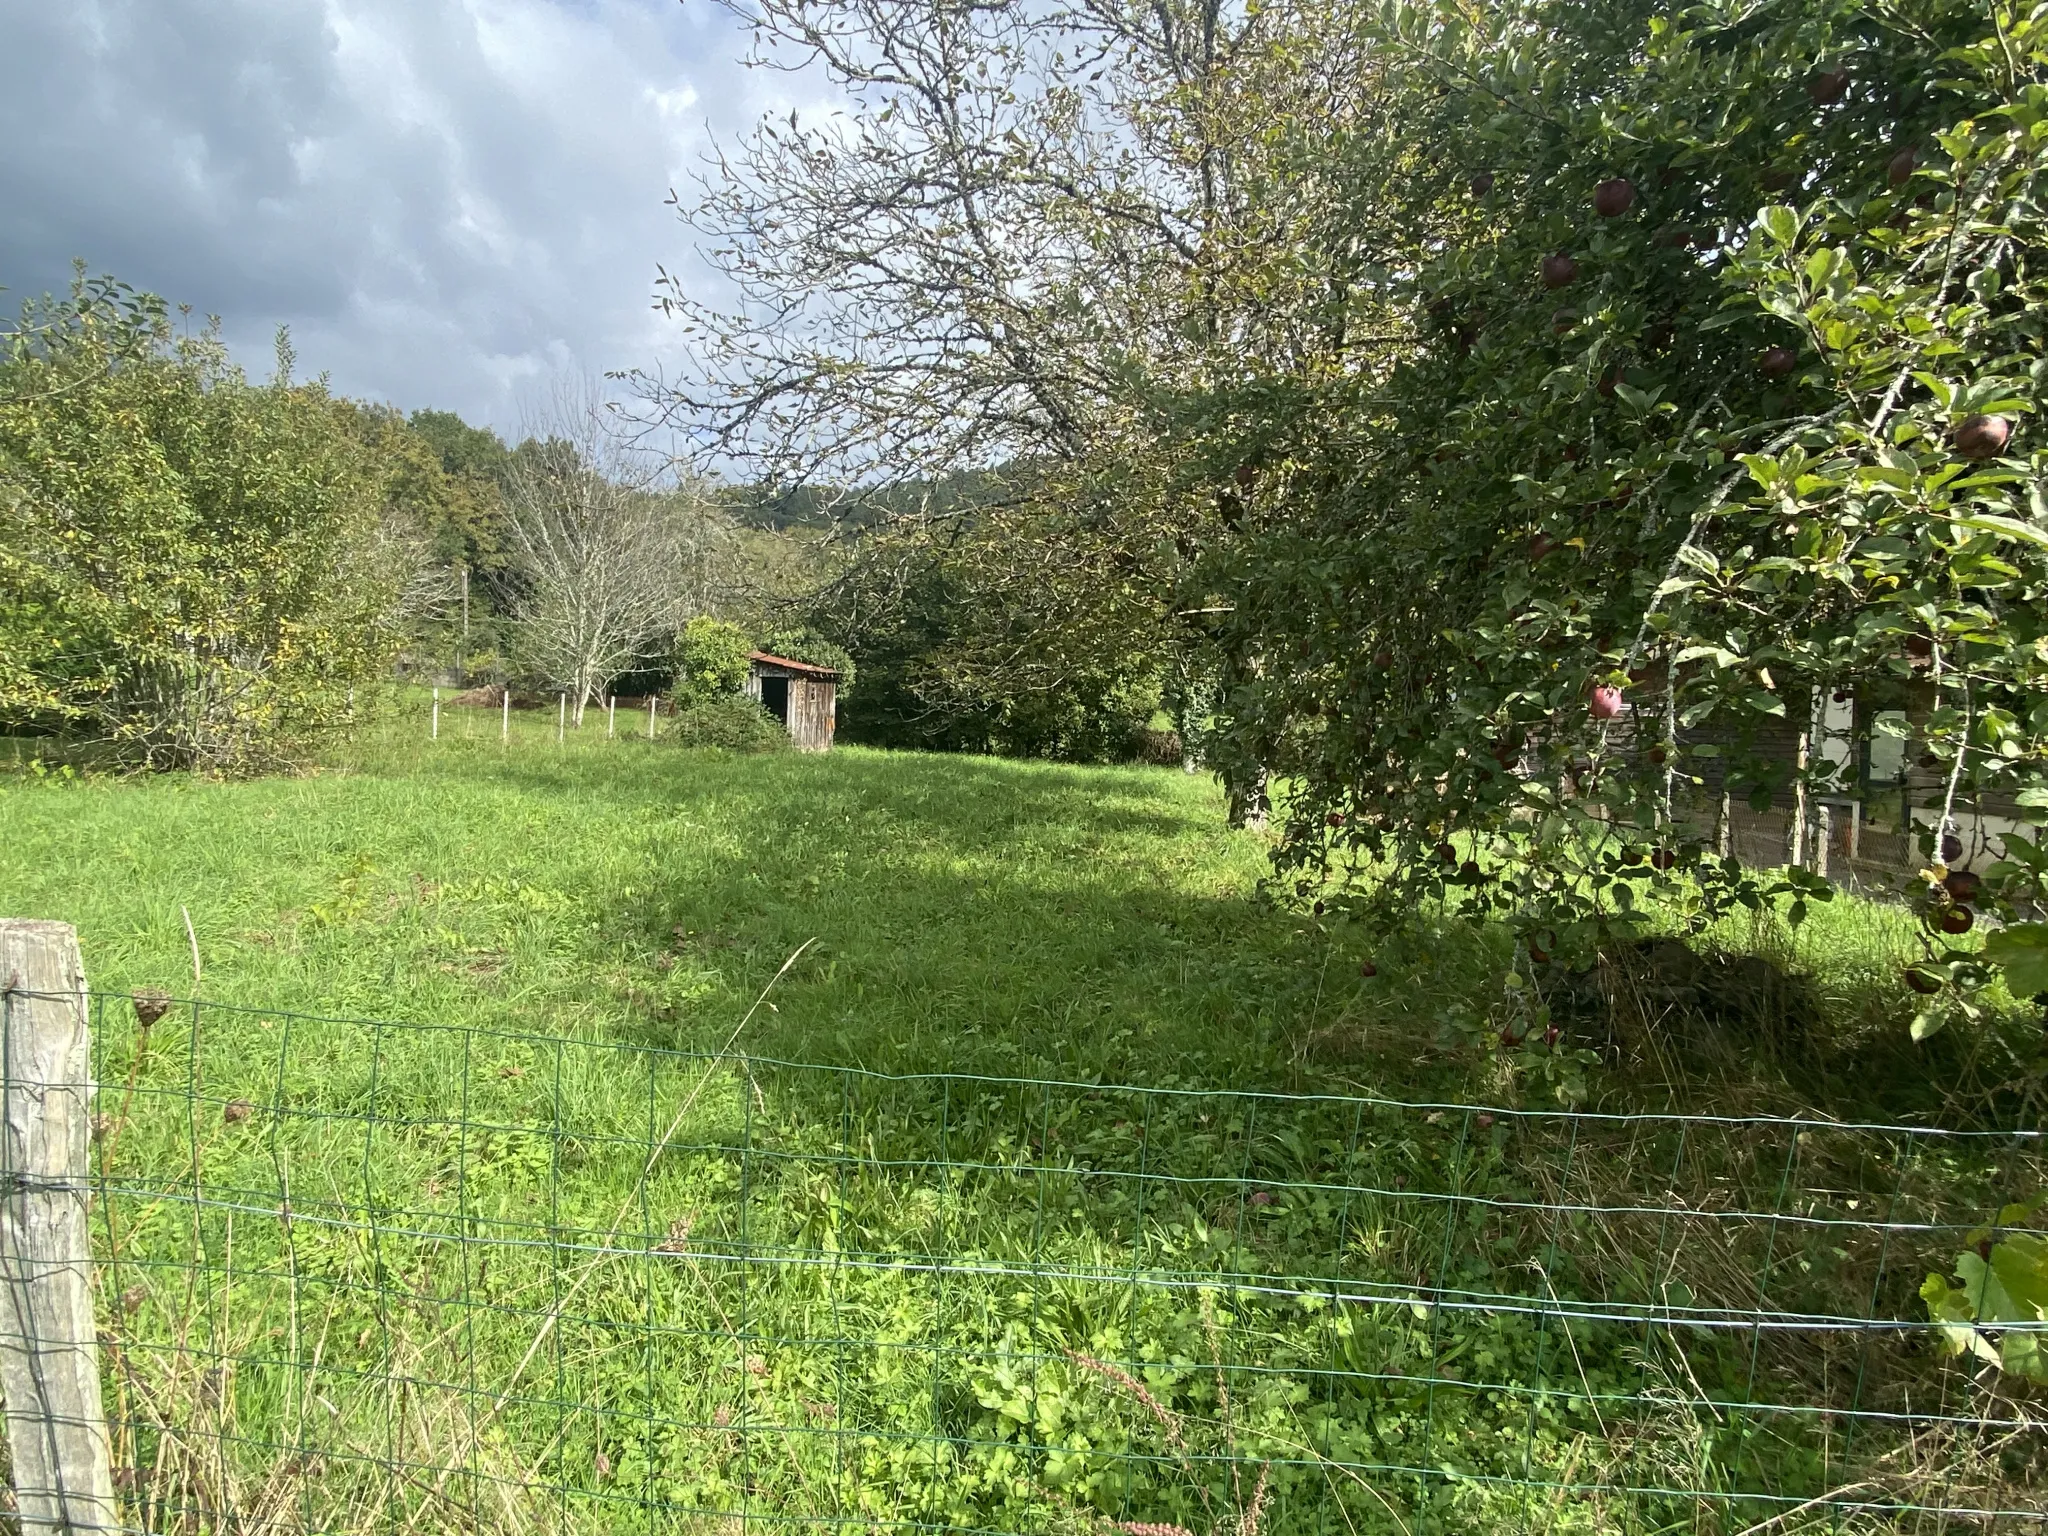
[(1725, 353)]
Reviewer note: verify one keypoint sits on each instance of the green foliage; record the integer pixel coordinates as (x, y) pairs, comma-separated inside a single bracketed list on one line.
[(710, 659), (731, 721), (1617, 482), (194, 571), (2020, 950), (806, 644), (1999, 1312), (458, 506), (473, 453), (958, 656)]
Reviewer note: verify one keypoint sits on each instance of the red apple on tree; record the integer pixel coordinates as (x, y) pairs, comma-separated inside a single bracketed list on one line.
[(1559, 270), (1983, 437), (1922, 982), (1829, 86), (1605, 702), (1956, 919), (1899, 169), (1776, 362), (1614, 197), (1482, 184)]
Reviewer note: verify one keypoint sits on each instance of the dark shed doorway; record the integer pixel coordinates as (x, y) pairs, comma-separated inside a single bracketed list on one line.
[(805, 698)]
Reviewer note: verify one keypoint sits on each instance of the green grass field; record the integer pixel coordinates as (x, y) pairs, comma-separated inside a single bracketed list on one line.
[(543, 1254), (960, 913), (966, 914)]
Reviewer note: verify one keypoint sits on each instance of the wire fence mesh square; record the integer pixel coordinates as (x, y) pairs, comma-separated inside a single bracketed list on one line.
[(362, 1276)]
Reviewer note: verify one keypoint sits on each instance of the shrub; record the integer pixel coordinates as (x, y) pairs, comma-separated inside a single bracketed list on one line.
[(195, 571), (729, 720), (710, 659)]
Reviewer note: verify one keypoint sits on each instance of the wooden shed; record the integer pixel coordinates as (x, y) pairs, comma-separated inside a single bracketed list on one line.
[(803, 697)]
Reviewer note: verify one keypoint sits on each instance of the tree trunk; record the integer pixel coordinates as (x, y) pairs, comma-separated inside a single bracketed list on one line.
[(1250, 806)]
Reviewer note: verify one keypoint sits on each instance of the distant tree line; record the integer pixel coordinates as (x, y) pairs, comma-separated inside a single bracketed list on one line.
[(200, 570)]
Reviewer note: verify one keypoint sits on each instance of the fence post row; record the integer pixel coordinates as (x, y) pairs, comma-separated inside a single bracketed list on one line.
[(49, 1351)]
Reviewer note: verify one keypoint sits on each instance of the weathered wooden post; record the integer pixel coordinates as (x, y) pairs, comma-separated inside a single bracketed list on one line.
[(49, 1351), (434, 732), (505, 715)]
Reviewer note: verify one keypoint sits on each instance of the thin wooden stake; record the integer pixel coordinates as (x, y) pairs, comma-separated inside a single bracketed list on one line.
[(561, 718), (650, 718), (434, 732), (611, 717), (49, 1351), (505, 714)]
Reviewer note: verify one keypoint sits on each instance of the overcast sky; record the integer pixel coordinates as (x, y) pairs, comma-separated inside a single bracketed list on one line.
[(446, 200)]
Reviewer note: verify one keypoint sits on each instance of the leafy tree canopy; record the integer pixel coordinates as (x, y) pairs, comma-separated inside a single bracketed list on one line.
[(1507, 427), (195, 571)]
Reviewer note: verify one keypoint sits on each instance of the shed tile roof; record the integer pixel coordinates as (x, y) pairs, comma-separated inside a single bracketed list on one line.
[(795, 666)]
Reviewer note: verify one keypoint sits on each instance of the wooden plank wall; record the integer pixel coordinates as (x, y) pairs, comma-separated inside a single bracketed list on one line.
[(812, 713)]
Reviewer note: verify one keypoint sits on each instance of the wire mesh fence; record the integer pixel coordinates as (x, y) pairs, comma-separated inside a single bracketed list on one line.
[(363, 1276)]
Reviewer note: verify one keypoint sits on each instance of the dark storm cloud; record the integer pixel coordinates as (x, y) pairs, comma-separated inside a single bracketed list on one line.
[(446, 200)]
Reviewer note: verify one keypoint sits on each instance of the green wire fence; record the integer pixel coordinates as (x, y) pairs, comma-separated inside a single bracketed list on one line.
[(363, 1276)]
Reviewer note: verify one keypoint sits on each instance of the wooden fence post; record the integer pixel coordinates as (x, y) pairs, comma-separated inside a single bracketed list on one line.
[(49, 1350)]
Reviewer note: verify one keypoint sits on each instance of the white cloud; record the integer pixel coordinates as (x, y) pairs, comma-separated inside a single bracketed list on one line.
[(444, 199)]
